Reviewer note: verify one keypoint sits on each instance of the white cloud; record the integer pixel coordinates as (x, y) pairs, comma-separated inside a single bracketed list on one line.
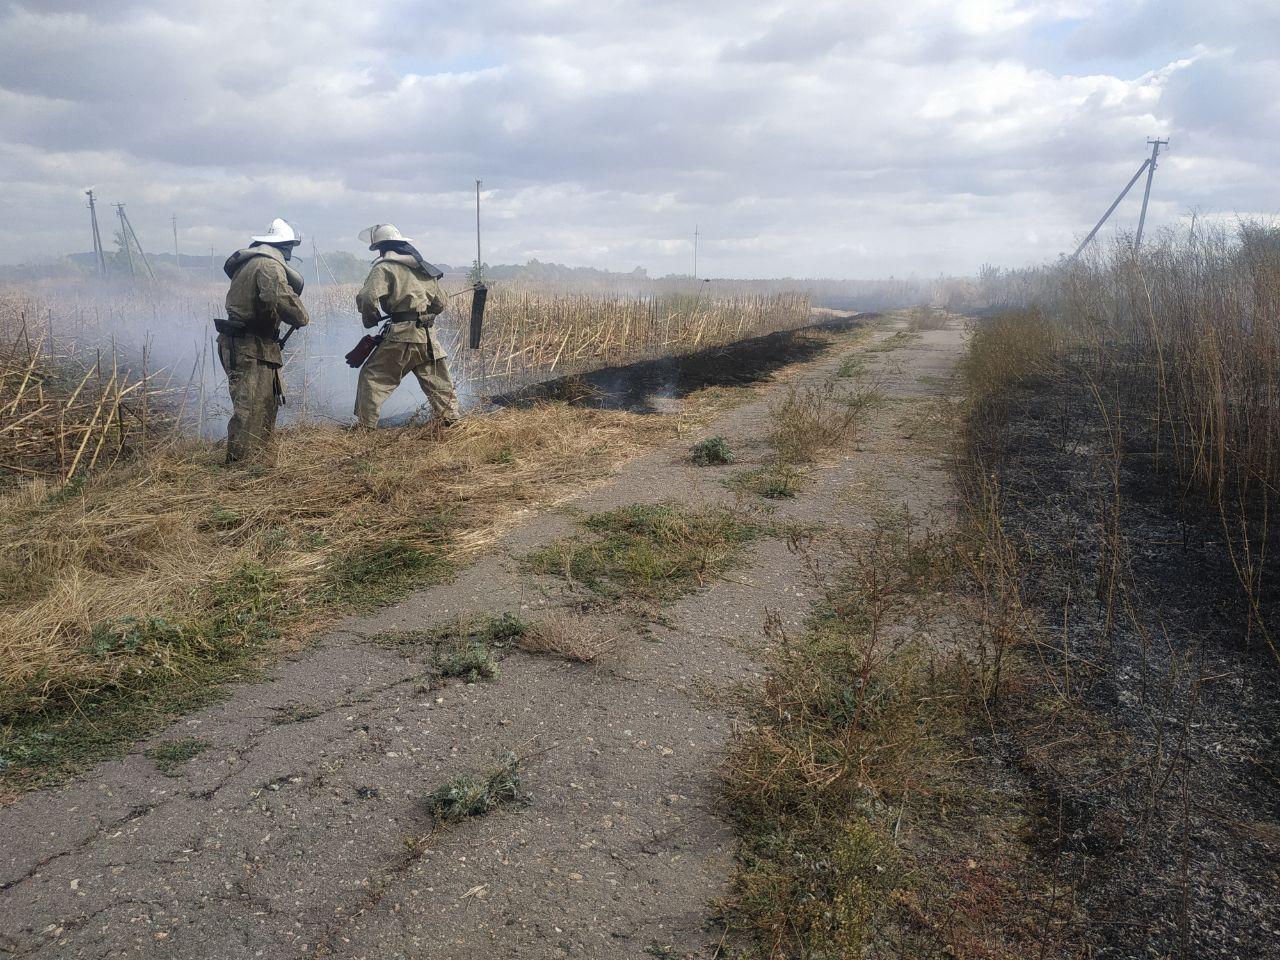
[(888, 136)]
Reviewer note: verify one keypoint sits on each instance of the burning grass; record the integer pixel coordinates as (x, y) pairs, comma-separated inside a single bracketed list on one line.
[(156, 581)]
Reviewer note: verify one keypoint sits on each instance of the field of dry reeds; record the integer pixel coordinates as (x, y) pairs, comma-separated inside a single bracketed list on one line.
[(131, 344)]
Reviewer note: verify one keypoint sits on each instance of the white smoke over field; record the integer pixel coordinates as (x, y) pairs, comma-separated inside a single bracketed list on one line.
[(165, 332)]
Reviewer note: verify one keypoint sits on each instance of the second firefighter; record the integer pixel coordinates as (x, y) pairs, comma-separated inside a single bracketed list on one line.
[(403, 292)]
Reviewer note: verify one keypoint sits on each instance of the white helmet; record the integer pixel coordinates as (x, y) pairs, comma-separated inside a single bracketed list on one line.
[(280, 233), (382, 233)]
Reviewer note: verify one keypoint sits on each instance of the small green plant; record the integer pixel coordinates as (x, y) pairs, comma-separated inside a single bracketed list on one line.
[(476, 794), (382, 573), (472, 663), (68, 491), (172, 754), (467, 649), (132, 636), (777, 482), (220, 518), (853, 366), (711, 452), (649, 552)]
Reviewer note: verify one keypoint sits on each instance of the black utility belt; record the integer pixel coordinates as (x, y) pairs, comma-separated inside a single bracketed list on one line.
[(231, 327), (412, 316)]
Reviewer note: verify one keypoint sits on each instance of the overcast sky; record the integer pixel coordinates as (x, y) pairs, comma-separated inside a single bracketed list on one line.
[(853, 139)]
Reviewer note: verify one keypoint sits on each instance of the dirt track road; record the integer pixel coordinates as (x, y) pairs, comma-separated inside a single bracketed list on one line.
[(310, 838)]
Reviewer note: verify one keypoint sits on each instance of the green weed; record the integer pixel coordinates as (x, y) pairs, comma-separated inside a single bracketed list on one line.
[(172, 754), (382, 573), (776, 482), (711, 452), (651, 552), (476, 794)]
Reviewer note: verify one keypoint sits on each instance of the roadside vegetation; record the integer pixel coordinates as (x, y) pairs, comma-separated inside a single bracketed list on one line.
[(869, 820)]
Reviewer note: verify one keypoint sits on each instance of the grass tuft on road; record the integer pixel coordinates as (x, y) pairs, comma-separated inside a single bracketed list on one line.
[(477, 793), (714, 451), (171, 755), (649, 552)]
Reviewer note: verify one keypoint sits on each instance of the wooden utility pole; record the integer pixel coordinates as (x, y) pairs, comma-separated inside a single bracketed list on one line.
[(99, 258), (695, 251), (1156, 144), (177, 260)]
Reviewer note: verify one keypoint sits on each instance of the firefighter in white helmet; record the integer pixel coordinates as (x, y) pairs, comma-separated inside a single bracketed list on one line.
[(265, 292), (403, 292)]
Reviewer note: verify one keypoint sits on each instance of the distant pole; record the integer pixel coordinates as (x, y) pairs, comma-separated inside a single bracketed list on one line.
[(100, 259), (695, 251), (131, 235), (213, 265), (479, 262), (124, 238), (1156, 144), (315, 260), (176, 259)]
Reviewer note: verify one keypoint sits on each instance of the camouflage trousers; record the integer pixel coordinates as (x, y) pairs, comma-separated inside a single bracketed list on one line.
[(392, 362), (256, 395)]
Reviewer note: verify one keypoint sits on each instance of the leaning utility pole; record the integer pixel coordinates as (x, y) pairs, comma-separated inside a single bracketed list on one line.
[(1148, 167), (129, 235), (124, 239), (1151, 172), (100, 259)]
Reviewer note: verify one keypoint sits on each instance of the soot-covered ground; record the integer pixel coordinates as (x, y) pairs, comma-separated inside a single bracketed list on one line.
[(1152, 726)]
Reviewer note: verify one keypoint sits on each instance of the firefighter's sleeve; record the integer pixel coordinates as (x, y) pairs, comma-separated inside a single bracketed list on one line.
[(369, 299), (437, 298), (278, 297)]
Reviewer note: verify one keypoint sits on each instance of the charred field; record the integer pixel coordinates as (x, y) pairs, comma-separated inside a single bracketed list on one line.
[(642, 387), (1146, 716)]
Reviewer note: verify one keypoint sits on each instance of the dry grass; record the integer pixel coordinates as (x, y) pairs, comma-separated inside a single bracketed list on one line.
[(927, 318), (811, 419), (855, 791), (63, 416), (570, 636), (344, 520), (534, 335)]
